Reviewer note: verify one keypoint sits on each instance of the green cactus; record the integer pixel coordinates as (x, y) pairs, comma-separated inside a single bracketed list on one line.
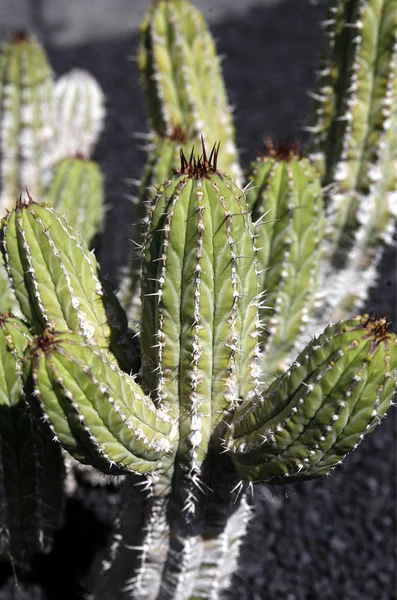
[(285, 197), (208, 401), (351, 142), (26, 119), (76, 191), (80, 113), (182, 81)]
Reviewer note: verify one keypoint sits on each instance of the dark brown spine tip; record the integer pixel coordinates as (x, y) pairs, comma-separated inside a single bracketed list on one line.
[(19, 36), (45, 342), (378, 328), (200, 166), (22, 202), (283, 150)]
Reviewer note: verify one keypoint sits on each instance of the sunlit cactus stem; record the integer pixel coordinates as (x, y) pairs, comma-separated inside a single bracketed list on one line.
[(286, 200), (27, 125), (76, 191), (80, 113), (308, 420), (57, 283), (182, 80), (353, 144)]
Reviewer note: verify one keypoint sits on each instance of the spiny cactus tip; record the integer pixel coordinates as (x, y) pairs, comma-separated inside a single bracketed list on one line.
[(200, 166), (19, 36), (282, 150)]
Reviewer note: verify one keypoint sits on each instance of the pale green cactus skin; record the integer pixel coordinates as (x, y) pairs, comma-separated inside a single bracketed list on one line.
[(203, 417), (351, 142), (26, 120), (337, 391), (56, 281), (163, 157), (286, 200), (80, 113), (76, 191), (31, 466), (89, 403), (6, 300), (182, 80)]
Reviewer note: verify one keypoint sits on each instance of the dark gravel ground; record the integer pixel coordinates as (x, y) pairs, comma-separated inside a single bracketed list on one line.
[(331, 539)]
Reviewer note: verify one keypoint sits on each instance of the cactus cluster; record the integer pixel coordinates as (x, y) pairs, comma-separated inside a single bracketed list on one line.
[(217, 387)]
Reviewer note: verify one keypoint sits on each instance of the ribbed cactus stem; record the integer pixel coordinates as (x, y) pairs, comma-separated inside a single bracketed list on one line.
[(57, 283), (351, 138), (27, 125), (199, 296), (96, 411), (76, 191), (287, 206), (182, 79), (80, 113), (335, 393)]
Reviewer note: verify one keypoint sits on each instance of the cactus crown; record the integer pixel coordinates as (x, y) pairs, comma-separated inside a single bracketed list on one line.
[(199, 166)]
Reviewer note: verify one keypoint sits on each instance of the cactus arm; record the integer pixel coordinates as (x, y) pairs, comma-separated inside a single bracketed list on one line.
[(80, 113), (31, 466), (26, 119), (337, 391), (93, 406), (164, 156), (357, 148), (57, 283), (76, 191), (287, 205), (182, 79)]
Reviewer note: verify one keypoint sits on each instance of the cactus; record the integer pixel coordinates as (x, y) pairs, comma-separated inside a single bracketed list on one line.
[(352, 133), (182, 81), (80, 113), (27, 120), (76, 191), (286, 200), (209, 399)]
